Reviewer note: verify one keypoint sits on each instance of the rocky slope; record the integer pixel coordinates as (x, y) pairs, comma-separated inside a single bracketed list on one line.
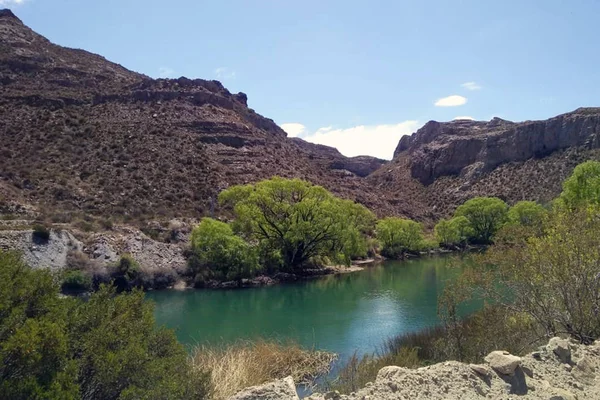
[(83, 135), (562, 370)]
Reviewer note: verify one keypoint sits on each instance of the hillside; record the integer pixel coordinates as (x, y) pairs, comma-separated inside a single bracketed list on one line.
[(83, 136)]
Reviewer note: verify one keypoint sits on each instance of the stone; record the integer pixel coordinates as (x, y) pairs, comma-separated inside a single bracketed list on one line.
[(503, 362), (480, 369), (335, 395), (281, 389), (561, 348), (390, 372), (584, 371)]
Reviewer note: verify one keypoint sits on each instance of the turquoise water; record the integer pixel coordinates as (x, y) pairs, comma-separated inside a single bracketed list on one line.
[(348, 313)]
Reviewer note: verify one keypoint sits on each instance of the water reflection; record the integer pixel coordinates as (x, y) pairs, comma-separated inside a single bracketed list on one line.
[(346, 313)]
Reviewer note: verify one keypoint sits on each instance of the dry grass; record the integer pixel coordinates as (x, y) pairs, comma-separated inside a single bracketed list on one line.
[(243, 364)]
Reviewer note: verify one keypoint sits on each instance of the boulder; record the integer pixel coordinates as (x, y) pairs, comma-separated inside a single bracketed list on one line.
[(390, 372), (503, 362), (561, 348), (281, 389)]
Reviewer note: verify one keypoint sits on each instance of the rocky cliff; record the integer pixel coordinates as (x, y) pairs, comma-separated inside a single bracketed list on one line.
[(470, 148)]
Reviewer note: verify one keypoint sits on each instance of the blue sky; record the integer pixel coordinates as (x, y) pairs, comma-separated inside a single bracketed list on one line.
[(354, 74)]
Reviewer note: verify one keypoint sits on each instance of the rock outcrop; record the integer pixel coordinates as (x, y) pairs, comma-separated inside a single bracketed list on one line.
[(473, 147), (539, 375)]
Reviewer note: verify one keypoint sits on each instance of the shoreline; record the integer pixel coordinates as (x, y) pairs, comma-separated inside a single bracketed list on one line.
[(280, 277)]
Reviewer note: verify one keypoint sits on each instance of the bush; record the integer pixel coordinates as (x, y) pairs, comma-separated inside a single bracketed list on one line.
[(105, 348), (40, 232), (486, 216), (583, 186), (454, 232), (527, 213), (399, 236), (219, 253), (76, 281)]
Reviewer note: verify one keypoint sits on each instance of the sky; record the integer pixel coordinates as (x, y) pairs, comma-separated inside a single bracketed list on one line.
[(356, 75)]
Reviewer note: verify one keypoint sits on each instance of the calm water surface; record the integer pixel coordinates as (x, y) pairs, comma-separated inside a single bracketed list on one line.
[(343, 314)]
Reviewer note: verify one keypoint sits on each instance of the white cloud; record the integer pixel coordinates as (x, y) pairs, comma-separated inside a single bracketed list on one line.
[(293, 129), (371, 140), (464, 117), (451, 101), (166, 72), (225, 73), (471, 86), (11, 2)]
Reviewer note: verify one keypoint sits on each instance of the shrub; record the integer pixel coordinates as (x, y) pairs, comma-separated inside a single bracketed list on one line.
[(41, 232), (486, 216), (527, 213), (220, 253), (399, 236), (583, 186), (104, 348), (454, 232), (76, 281)]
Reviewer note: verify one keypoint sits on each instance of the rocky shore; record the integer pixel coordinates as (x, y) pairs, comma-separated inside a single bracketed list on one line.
[(561, 370)]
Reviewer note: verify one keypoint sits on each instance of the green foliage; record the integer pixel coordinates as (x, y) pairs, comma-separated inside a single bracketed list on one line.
[(553, 276), (399, 236), (221, 254), (454, 232), (527, 213), (296, 222), (583, 186), (486, 216), (65, 348), (76, 281)]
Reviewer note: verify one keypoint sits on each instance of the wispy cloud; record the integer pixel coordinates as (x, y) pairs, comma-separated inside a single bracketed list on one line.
[(371, 140), (225, 73), (166, 72), (451, 101), (464, 117), (293, 129), (11, 2), (471, 86)]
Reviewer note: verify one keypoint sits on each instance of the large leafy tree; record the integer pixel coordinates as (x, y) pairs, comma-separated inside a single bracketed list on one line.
[(296, 222), (399, 236), (583, 186), (486, 216)]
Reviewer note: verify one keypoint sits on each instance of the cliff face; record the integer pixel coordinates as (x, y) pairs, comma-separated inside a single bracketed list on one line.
[(472, 147)]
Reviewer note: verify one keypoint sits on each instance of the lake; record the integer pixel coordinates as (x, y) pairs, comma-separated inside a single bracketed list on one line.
[(347, 313)]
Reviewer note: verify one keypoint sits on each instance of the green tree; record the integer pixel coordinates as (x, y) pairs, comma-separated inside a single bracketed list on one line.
[(527, 213), (297, 222), (65, 348), (583, 186), (453, 232), (220, 252), (399, 236), (486, 215)]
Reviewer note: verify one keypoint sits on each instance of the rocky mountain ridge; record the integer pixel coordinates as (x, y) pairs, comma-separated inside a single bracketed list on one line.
[(86, 138)]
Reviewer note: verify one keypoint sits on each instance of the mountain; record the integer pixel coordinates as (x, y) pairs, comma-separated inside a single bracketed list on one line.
[(461, 159), (84, 137)]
